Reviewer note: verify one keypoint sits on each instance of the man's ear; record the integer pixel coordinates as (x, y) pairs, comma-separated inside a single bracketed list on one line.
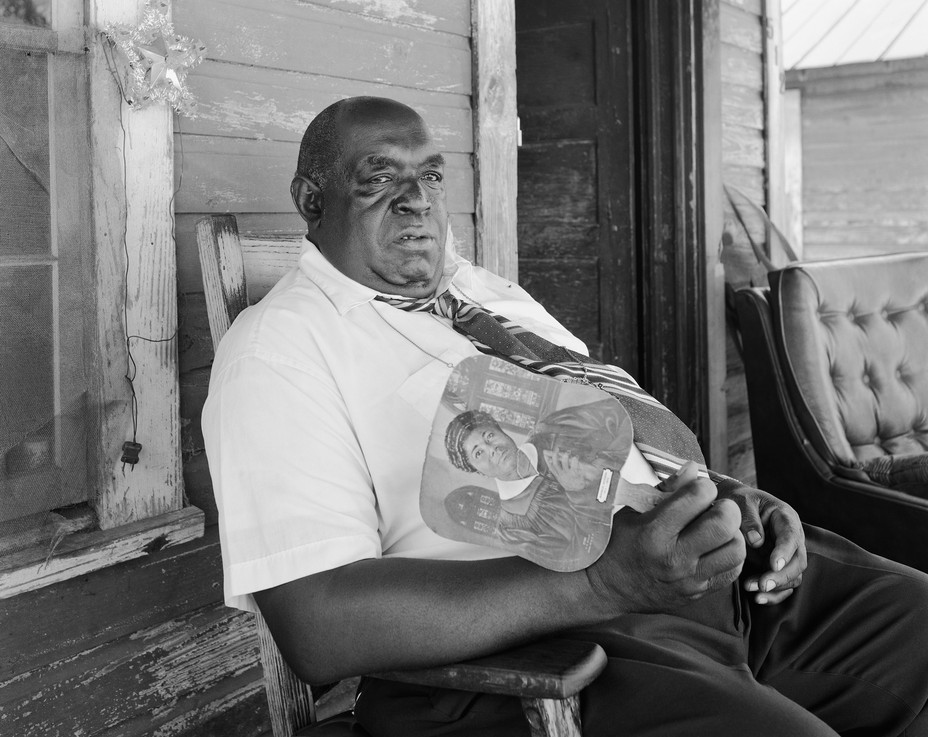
[(307, 196)]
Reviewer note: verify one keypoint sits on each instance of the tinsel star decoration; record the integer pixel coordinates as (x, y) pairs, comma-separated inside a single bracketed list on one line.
[(155, 61)]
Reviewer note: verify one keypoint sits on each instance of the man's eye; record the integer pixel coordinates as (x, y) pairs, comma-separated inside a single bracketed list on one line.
[(379, 179), (432, 176)]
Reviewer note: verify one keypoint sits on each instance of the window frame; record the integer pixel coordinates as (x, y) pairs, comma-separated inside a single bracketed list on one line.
[(133, 510)]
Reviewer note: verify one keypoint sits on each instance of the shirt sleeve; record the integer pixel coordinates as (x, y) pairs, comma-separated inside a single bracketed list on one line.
[(293, 491)]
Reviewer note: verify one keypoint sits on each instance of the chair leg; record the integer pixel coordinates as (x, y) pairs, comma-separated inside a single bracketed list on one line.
[(289, 700), (553, 717)]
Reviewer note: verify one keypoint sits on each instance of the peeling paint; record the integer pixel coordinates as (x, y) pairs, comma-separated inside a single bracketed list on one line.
[(255, 113), (392, 10)]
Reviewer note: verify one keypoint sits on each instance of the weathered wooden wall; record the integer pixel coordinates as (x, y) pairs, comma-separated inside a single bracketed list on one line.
[(864, 158), (743, 166), (147, 647), (142, 648)]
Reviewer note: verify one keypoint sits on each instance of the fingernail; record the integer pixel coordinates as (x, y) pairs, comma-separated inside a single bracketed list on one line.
[(780, 563), (761, 599), (750, 586), (754, 537), (769, 584)]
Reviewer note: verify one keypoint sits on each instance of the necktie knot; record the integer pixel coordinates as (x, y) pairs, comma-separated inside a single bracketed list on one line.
[(444, 304)]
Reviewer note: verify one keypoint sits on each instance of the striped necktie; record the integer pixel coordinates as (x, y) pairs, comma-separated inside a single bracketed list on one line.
[(664, 440)]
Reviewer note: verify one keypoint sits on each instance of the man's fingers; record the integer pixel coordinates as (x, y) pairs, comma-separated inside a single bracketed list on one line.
[(723, 565), (688, 472), (752, 527), (709, 554), (774, 597), (686, 504), (718, 525), (790, 543)]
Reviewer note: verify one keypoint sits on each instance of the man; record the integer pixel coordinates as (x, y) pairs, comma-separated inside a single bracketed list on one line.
[(316, 425)]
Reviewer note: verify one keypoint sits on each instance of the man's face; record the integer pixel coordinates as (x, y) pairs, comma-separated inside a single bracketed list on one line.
[(385, 225), (492, 452)]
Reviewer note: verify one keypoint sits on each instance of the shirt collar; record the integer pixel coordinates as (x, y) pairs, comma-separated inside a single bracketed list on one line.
[(346, 294), (511, 489)]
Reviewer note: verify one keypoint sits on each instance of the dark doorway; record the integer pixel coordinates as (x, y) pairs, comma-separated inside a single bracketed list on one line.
[(611, 216), (575, 169)]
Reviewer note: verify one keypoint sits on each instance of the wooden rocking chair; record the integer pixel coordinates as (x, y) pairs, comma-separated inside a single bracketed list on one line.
[(547, 676)]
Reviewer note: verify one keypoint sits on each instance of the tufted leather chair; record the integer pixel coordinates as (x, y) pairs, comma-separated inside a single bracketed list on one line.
[(836, 361)]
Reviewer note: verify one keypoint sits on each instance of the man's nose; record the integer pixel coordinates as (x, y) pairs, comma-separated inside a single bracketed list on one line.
[(412, 200)]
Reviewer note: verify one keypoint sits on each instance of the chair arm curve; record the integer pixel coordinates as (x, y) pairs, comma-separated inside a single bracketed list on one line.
[(547, 669)]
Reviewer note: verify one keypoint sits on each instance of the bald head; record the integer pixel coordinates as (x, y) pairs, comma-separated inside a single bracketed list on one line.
[(322, 145)]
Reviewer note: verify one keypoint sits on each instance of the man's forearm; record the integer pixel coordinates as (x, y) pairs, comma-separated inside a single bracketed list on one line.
[(407, 613)]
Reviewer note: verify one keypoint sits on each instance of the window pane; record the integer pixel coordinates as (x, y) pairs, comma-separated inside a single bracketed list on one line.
[(27, 403), (25, 223), (42, 439), (43, 285), (26, 12)]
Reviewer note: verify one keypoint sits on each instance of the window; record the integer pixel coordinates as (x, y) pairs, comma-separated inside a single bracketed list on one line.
[(76, 273), (44, 235)]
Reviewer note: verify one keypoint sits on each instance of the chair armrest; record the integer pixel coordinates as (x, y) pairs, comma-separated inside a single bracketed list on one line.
[(547, 669)]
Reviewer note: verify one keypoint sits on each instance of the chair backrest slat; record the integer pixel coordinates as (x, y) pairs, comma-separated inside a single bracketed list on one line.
[(223, 272), (267, 259)]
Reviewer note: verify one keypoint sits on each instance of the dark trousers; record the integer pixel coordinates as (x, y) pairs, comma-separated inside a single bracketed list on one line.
[(847, 653)]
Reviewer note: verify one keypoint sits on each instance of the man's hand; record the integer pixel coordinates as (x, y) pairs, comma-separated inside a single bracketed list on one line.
[(774, 533), (687, 546)]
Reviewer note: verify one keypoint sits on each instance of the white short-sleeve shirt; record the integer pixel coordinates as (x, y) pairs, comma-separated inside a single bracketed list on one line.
[(320, 405)]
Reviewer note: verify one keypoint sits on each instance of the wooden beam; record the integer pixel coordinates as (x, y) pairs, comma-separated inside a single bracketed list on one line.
[(774, 87), (714, 428), (495, 134), (135, 270), (82, 553)]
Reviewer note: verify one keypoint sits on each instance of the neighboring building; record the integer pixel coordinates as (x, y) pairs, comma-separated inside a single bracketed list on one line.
[(857, 85)]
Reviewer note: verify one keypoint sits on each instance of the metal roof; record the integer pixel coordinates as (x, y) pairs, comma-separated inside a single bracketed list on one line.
[(826, 33)]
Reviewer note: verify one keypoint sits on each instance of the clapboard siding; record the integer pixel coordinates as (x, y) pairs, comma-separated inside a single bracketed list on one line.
[(744, 152), (282, 34), (743, 106), (739, 27), (864, 158), (741, 67), (252, 102)]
